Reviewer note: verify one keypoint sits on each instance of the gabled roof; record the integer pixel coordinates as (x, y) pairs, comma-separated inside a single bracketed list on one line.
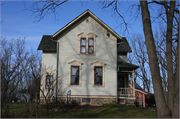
[(87, 13), (46, 43), (124, 46), (137, 87)]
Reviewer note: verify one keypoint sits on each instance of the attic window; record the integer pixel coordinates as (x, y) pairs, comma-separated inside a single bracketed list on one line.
[(87, 43), (87, 20)]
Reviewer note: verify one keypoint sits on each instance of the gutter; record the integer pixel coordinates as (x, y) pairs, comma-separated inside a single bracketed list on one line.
[(56, 68)]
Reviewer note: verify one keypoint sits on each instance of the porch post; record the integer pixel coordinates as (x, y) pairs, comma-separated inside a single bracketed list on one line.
[(133, 85), (143, 101)]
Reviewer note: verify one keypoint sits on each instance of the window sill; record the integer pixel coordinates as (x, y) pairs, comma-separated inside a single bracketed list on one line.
[(86, 54), (75, 85), (98, 86)]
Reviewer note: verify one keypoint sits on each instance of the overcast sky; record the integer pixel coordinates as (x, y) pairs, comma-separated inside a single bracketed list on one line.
[(18, 23)]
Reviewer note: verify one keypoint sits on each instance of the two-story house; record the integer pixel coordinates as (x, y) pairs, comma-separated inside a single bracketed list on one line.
[(91, 60)]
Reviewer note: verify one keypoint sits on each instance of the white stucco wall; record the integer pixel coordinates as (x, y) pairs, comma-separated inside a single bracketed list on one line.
[(48, 66)]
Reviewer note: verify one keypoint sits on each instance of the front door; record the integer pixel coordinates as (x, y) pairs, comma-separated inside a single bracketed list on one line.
[(120, 81)]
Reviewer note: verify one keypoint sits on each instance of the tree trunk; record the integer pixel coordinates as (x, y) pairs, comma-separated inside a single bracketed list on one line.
[(169, 58), (162, 110), (175, 112)]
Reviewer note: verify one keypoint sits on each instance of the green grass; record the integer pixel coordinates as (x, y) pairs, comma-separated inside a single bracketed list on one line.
[(107, 111)]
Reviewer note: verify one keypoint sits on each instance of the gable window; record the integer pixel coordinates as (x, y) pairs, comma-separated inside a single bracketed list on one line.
[(87, 43), (97, 75), (49, 80), (74, 75), (90, 45), (83, 45)]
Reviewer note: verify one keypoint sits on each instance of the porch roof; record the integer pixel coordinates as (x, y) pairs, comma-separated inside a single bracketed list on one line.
[(126, 66)]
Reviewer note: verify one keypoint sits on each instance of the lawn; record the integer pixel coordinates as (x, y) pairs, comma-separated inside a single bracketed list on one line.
[(108, 111)]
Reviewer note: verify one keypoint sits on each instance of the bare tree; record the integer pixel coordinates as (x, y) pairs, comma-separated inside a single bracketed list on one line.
[(140, 57), (31, 83), (42, 8), (48, 86), (13, 55)]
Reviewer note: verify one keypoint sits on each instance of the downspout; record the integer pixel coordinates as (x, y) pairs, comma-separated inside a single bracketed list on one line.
[(117, 69), (56, 68)]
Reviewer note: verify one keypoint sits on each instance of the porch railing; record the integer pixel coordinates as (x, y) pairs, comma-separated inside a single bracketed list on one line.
[(126, 92)]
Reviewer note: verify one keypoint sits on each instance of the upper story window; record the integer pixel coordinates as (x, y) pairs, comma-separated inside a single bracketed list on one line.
[(87, 43), (90, 45), (83, 45)]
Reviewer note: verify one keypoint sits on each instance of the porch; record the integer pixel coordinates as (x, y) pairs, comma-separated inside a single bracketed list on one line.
[(126, 92), (126, 82)]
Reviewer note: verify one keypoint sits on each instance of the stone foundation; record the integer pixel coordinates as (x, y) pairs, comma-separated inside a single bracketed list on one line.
[(95, 101), (130, 101)]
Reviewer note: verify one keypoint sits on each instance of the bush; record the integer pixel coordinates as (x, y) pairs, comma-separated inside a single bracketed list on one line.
[(115, 105), (136, 104), (74, 102)]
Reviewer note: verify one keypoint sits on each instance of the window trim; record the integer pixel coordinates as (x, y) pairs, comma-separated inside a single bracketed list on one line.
[(101, 75), (82, 45), (87, 36), (98, 64), (90, 45), (74, 75), (75, 63), (46, 81), (85, 102)]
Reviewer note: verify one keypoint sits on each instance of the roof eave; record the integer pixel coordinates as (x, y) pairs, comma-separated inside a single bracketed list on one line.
[(87, 12)]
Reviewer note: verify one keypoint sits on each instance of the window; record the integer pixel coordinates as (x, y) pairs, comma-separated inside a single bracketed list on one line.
[(83, 45), (97, 75), (86, 100), (49, 80), (90, 45), (87, 43), (75, 68), (74, 75)]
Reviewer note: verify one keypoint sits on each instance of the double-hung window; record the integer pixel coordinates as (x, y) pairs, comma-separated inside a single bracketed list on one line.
[(98, 75), (87, 43), (90, 45), (74, 75), (49, 80), (83, 45)]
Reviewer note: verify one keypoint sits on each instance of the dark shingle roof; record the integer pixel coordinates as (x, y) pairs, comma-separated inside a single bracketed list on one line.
[(123, 64), (139, 88), (46, 43), (124, 46)]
